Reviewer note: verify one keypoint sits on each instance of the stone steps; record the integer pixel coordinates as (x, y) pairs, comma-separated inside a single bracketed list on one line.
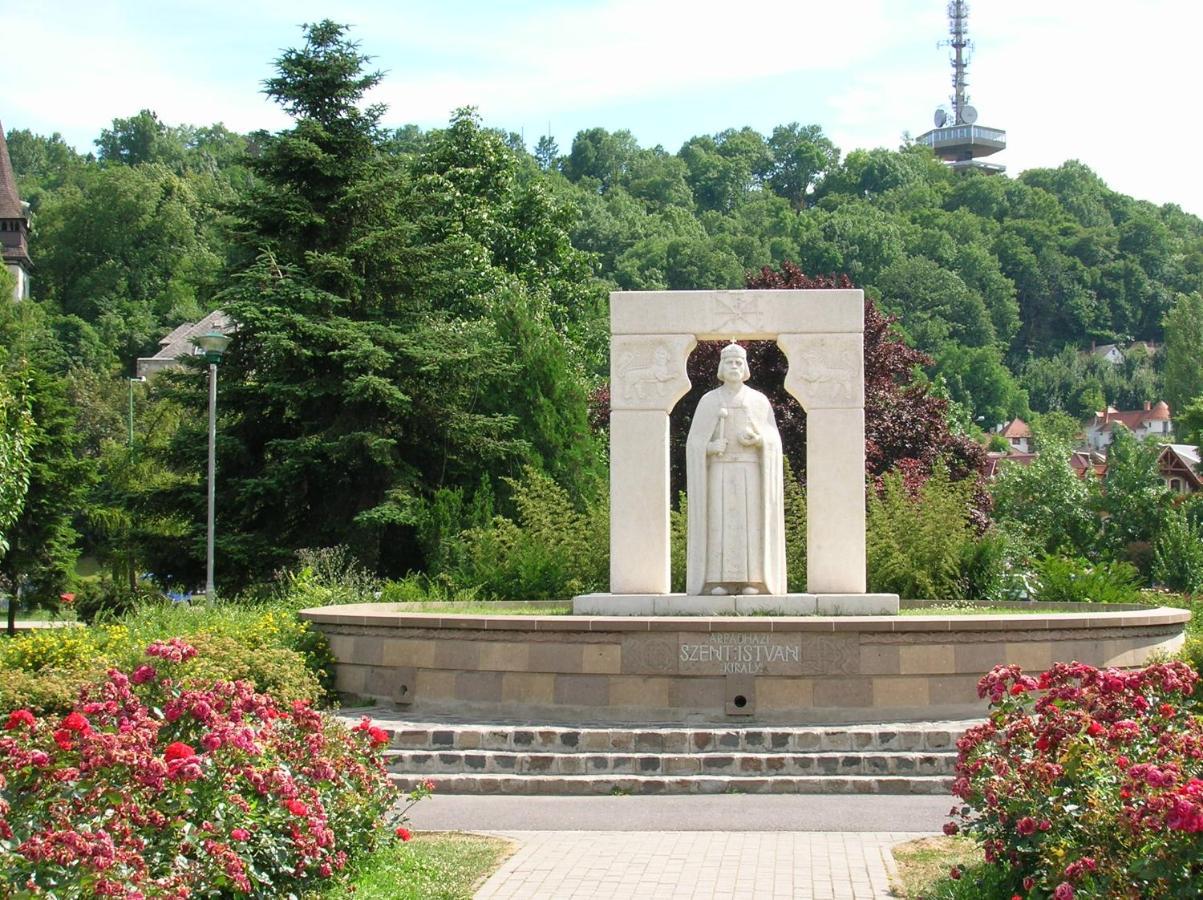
[(580, 785), (909, 737), (523, 758), (504, 762)]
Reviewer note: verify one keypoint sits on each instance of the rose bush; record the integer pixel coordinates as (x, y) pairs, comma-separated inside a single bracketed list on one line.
[(157, 787), (1087, 782)]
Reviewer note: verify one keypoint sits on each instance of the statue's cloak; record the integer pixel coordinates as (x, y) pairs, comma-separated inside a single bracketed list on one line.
[(701, 431)]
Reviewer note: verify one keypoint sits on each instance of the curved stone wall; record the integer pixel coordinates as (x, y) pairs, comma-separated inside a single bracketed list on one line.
[(804, 670)]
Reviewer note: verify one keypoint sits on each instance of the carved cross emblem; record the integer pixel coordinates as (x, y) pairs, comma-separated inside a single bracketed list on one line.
[(737, 314)]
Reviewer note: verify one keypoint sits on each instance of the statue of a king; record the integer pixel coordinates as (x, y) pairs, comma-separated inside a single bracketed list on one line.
[(734, 484)]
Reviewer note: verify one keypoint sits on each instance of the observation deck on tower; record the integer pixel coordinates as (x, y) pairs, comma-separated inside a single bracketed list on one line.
[(961, 146)]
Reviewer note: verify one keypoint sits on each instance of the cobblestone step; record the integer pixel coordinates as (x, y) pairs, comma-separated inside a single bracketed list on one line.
[(420, 762), (579, 785), (445, 736), (509, 757)]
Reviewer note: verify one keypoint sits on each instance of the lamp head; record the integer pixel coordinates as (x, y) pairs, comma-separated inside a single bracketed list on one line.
[(213, 345)]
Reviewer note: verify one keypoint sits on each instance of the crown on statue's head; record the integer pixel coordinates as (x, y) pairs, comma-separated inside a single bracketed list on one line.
[(733, 349)]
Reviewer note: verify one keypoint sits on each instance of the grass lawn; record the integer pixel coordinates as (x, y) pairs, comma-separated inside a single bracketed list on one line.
[(433, 866), (923, 868)]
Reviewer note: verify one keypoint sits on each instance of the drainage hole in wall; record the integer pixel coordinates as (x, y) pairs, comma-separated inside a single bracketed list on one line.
[(740, 701)]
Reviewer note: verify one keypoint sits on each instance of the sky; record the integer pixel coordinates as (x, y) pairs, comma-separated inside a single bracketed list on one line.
[(1066, 79)]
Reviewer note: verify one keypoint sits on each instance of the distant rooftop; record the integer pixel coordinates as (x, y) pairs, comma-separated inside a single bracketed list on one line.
[(180, 343)]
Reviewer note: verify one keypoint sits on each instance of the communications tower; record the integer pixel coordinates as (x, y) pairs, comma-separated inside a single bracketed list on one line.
[(957, 138)]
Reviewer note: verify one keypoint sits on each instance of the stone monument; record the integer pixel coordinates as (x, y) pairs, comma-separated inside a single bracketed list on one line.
[(652, 334), (735, 491)]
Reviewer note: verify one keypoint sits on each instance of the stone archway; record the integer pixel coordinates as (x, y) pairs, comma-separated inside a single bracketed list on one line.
[(821, 333)]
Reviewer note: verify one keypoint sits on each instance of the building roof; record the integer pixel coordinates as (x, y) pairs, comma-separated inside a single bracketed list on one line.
[(179, 342), (1083, 461), (1181, 460), (1017, 428), (13, 247), (1132, 419), (10, 200), (994, 460)]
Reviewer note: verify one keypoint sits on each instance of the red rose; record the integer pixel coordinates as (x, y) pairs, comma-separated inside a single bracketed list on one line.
[(1166, 710), (178, 750), (1094, 729), (950, 828), (19, 717), (62, 737), (67, 598), (1028, 883), (378, 736), (1026, 826), (240, 834), (1042, 742), (404, 833), (1064, 891), (296, 807), (954, 873), (77, 723)]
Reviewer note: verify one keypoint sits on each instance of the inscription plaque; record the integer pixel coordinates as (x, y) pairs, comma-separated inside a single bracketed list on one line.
[(739, 653)]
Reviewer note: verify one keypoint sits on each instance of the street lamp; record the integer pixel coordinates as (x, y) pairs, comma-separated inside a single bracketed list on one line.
[(140, 379), (213, 345)]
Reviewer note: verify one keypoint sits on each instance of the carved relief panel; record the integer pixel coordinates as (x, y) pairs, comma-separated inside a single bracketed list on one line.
[(649, 372), (826, 371)]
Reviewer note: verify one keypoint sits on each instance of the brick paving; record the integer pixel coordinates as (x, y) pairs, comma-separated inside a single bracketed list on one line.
[(698, 865)]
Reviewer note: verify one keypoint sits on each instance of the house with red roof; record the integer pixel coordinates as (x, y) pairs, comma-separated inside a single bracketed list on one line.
[(1018, 435), (1153, 421)]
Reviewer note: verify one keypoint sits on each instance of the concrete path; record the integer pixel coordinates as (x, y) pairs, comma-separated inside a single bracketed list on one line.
[(688, 812), (714, 865)]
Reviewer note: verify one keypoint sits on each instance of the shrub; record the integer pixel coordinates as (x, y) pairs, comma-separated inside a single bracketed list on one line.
[(1087, 781), (323, 577), (551, 551), (922, 544), (105, 599), (1178, 554), (266, 645), (149, 788), (1072, 580), (419, 588)]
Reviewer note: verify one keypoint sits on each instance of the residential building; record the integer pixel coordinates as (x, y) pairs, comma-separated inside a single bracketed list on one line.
[(1018, 435), (181, 343), (14, 226), (1153, 421), (1178, 465)]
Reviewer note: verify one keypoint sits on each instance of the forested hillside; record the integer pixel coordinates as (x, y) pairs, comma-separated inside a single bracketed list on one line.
[(422, 313)]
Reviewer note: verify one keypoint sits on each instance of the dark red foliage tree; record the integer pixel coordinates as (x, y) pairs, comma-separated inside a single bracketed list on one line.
[(906, 428)]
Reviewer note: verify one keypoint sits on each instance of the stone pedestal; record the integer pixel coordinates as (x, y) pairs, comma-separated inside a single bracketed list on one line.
[(755, 605)]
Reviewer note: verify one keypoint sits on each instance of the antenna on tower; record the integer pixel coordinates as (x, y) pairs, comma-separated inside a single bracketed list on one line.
[(957, 139), (962, 49)]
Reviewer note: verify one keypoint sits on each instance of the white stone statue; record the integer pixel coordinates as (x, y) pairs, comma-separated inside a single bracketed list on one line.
[(734, 482)]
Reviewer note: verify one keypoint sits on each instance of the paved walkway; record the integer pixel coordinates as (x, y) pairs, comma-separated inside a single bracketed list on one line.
[(675, 865), (687, 812)]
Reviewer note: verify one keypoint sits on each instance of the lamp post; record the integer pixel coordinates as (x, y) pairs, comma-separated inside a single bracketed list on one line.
[(214, 346), (140, 379)]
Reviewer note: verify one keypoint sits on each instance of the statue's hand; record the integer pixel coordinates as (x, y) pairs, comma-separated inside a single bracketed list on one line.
[(751, 439), (717, 448)]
